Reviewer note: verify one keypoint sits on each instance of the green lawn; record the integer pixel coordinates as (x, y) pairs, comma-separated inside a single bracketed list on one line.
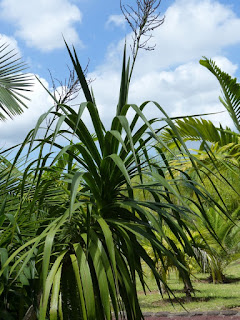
[(207, 296)]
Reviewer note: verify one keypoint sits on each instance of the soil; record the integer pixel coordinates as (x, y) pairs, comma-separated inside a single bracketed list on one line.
[(233, 314), (206, 317)]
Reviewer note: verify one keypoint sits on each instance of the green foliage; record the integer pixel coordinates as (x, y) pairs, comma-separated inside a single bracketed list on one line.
[(216, 254), (72, 223), (217, 161), (95, 236)]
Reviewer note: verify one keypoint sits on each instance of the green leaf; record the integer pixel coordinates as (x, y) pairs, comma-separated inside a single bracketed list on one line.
[(120, 164), (74, 189), (80, 74), (48, 285), (86, 279), (3, 259), (54, 305), (79, 285)]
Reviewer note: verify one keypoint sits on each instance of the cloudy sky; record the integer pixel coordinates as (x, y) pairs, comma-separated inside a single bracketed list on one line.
[(170, 75)]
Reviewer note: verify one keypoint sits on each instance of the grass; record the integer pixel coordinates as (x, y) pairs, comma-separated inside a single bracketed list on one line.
[(207, 297)]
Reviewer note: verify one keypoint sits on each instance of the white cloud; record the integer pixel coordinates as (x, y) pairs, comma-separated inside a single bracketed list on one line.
[(42, 23), (171, 75), (188, 89), (192, 29), (116, 19), (10, 41)]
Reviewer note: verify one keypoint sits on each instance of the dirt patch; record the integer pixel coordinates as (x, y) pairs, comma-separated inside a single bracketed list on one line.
[(203, 317)]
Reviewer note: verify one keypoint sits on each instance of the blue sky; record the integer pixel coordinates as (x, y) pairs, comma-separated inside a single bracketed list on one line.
[(170, 75)]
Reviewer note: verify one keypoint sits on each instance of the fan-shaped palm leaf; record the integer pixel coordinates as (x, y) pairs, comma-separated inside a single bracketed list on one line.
[(13, 81)]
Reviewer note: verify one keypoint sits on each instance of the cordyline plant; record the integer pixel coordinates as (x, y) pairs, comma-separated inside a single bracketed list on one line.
[(76, 235), (87, 251), (73, 248)]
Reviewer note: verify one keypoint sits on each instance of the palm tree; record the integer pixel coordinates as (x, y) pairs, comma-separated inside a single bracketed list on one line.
[(215, 255), (218, 163), (219, 146)]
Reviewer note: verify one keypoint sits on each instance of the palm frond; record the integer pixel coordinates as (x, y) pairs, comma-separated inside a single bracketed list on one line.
[(230, 89), (13, 81), (194, 129)]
